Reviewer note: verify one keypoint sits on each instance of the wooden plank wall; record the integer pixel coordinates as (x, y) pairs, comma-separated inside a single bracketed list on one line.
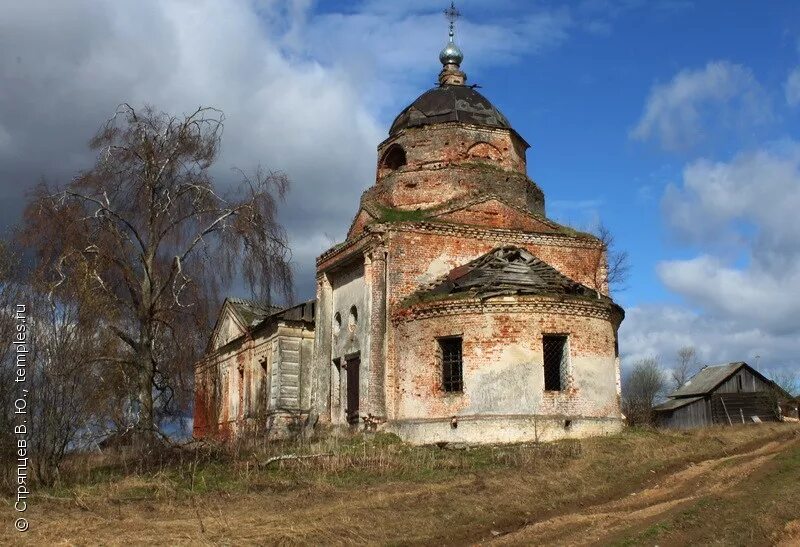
[(750, 383), (696, 414), (761, 404)]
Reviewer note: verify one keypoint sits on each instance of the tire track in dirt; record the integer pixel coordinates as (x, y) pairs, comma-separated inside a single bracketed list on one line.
[(639, 509)]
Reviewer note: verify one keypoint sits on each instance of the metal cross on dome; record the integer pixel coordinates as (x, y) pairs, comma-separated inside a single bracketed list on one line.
[(452, 14)]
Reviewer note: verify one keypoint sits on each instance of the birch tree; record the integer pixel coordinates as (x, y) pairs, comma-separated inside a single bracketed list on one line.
[(147, 229)]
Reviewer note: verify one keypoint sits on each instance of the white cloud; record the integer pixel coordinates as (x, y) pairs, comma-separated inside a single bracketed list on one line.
[(753, 295), (743, 214), (740, 289), (300, 91), (657, 330), (695, 104), (792, 87)]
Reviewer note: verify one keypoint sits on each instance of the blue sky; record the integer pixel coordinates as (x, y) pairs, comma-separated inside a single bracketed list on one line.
[(675, 122)]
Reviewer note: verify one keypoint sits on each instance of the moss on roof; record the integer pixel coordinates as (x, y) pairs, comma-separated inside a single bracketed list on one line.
[(390, 214)]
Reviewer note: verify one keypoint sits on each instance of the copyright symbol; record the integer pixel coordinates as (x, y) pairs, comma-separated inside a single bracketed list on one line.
[(21, 525)]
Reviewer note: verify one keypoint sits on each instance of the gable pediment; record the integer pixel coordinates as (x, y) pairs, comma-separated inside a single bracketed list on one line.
[(504, 271), (229, 327), (236, 318), (363, 218)]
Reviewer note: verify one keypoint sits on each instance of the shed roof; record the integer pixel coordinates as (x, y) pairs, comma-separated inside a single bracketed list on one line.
[(707, 379), (674, 404)]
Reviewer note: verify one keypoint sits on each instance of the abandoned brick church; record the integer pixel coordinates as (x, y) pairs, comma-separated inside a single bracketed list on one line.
[(454, 311)]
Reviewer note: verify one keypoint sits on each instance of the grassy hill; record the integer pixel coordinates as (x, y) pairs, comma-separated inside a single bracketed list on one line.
[(734, 485)]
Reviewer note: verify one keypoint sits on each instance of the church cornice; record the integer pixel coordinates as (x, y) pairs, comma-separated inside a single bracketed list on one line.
[(600, 309), (499, 235), (448, 126), (372, 234)]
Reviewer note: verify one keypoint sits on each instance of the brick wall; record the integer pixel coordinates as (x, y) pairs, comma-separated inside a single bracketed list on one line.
[(419, 255), (447, 144), (503, 365)]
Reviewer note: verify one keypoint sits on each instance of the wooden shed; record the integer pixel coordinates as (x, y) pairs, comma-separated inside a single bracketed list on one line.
[(725, 394)]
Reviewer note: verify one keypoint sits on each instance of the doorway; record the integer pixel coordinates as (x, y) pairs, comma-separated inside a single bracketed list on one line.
[(353, 367)]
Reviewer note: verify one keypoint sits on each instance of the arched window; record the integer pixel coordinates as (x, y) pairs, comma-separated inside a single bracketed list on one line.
[(484, 151), (337, 323), (352, 321), (393, 158)]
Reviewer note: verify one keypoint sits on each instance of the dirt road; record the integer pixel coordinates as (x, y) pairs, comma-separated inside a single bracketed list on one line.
[(642, 515)]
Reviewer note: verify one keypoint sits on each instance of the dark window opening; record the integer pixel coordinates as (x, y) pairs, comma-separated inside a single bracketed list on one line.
[(739, 383), (242, 393), (264, 395), (337, 323), (394, 158), (452, 376), (352, 321), (353, 397), (554, 348), (336, 392)]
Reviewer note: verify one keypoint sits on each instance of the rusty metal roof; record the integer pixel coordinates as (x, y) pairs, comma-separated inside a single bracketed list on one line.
[(507, 270), (450, 103)]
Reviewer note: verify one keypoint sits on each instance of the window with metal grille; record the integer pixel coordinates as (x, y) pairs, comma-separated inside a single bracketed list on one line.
[(554, 348), (452, 377)]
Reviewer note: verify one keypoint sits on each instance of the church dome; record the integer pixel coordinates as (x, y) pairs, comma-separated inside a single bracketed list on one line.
[(451, 55), (450, 103)]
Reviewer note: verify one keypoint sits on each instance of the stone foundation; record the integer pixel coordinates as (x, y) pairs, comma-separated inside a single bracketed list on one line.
[(502, 429)]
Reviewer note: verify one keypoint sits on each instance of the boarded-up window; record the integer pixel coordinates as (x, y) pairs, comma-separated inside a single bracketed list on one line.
[(554, 348), (452, 372)]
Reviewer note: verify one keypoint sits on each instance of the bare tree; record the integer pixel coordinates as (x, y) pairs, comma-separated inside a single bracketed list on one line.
[(10, 291), (63, 376), (613, 265), (641, 388), (685, 366), (786, 380), (147, 230)]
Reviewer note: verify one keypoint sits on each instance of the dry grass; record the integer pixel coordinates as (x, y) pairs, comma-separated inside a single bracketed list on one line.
[(373, 490), (762, 508)]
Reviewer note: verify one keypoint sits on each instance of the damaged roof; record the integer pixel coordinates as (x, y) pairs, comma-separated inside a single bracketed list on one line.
[(450, 103), (250, 311), (305, 311), (507, 270)]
